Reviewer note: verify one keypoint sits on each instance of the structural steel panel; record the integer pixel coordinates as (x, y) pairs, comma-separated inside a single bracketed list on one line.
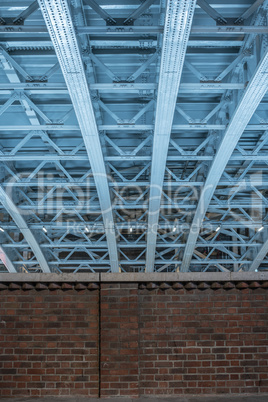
[(179, 15), (61, 29), (45, 159), (249, 102), (9, 204), (22, 225)]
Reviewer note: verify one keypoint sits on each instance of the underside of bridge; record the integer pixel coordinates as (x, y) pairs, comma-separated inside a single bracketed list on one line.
[(133, 136)]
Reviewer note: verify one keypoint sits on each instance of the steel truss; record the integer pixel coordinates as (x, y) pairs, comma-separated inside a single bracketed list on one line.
[(124, 147)]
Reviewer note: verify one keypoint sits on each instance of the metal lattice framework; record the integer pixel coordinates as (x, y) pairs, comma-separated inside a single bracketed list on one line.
[(133, 135)]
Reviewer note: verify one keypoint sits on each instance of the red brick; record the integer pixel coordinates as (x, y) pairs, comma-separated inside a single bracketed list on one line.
[(153, 342), (33, 368)]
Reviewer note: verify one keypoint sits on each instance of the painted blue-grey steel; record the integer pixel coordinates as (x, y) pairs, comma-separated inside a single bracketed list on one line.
[(7, 202), (44, 163), (59, 23), (177, 27), (13, 211), (259, 257), (6, 260), (249, 102)]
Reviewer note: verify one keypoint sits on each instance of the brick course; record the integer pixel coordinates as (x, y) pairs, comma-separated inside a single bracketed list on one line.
[(131, 339)]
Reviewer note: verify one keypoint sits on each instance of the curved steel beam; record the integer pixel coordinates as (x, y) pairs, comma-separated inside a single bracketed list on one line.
[(22, 225), (6, 260), (61, 29), (13, 78), (179, 16), (249, 102), (259, 257)]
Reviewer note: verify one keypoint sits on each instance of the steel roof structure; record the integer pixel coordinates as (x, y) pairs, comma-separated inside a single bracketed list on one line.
[(133, 135)]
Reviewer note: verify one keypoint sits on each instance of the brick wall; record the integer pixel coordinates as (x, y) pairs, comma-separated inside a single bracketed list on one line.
[(133, 339), (208, 342), (119, 340), (48, 343)]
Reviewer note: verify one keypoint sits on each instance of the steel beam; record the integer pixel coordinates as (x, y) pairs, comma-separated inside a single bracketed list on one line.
[(229, 29), (139, 11), (49, 87), (128, 206), (26, 13), (6, 260), (65, 183), (259, 257), (105, 263), (14, 64), (131, 245), (7, 201), (120, 158), (250, 100), (123, 30), (100, 11), (179, 15), (211, 11), (61, 29), (249, 11), (98, 228), (130, 127), (25, 230)]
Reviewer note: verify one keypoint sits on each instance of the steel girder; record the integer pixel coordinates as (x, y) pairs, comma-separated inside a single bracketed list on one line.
[(260, 256), (6, 260), (21, 30), (179, 15), (13, 210), (59, 23), (117, 87), (23, 227), (49, 171), (249, 102), (13, 77)]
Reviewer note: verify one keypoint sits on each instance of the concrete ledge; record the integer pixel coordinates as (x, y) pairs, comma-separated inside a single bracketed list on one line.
[(249, 276), (165, 277), (49, 277), (136, 277), (184, 277)]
